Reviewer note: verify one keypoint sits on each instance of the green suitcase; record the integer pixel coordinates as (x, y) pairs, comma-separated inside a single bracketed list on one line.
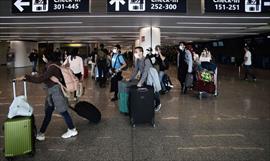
[(19, 136), (123, 95)]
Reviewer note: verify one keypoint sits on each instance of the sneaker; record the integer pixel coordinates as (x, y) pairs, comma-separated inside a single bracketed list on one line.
[(70, 133), (254, 79), (33, 73), (40, 136), (158, 108)]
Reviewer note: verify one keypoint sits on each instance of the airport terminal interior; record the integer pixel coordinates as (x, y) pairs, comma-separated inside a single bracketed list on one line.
[(230, 124)]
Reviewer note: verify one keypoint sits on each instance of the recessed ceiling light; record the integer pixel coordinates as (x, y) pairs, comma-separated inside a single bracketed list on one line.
[(40, 23)]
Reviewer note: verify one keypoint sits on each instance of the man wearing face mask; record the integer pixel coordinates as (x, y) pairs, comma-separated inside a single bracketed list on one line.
[(143, 65), (118, 63), (184, 65)]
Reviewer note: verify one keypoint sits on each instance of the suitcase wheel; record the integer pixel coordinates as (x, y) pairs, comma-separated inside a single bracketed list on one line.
[(9, 158), (153, 123)]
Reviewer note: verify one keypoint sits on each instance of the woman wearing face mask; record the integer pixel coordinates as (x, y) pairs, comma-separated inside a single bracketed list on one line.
[(182, 66), (55, 99), (118, 63), (143, 66)]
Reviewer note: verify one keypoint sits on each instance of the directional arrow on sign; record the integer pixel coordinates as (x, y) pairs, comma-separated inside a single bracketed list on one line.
[(19, 4), (117, 4)]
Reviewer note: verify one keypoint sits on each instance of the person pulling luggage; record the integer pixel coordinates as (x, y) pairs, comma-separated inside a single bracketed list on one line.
[(118, 63), (55, 99), (143, 66)]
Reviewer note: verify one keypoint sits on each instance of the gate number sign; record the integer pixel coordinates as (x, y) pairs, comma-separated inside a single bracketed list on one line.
[(48, 6)]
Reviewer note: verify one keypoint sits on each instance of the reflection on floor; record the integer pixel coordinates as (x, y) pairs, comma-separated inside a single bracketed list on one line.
[(235, 126)]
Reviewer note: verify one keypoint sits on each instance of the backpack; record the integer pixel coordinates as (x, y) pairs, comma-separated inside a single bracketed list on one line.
[(71, 81), (101, 55)]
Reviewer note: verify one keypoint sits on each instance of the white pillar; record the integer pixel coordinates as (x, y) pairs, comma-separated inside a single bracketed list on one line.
[(149, 37), (22, 50)]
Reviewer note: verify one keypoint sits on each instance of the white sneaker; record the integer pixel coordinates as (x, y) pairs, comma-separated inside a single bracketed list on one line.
[(40, 136), (70, 133), (158, 108), (33, 73)]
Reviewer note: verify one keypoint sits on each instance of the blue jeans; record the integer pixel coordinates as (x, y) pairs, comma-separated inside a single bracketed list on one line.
[(34, 67), (48, 116), (161, 75), (157, 99)]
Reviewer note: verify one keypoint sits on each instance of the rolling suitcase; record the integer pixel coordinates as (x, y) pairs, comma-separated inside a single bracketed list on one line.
[(87, 111), (19, 134), (123, 94), (141, 105), (86, 72)]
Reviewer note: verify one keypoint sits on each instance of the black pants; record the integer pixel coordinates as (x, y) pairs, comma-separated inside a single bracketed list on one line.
[(102, 65), (182, 73), (79, 76), (248, 72), (114, 83)]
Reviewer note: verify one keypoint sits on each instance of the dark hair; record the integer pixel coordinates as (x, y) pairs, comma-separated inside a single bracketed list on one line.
[(158, 47), (74, 53), (118, 46), (181, 42), (139, 48), (52, 56), (101, 46)]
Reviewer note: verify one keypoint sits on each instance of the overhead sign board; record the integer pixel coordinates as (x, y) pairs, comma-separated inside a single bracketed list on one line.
[(237, 6), (175, 6), (49, 6)]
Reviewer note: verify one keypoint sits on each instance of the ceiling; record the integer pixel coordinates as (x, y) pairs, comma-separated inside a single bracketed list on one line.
[(124, 28)]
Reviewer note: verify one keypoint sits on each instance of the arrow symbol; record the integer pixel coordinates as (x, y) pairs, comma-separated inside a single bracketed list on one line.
[(19, 4), (117, 4)]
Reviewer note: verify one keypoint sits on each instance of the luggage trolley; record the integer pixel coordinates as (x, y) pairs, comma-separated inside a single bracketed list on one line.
[(206, 82)]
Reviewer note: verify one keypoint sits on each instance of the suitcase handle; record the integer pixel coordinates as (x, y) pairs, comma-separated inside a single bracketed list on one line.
[(24, 88)]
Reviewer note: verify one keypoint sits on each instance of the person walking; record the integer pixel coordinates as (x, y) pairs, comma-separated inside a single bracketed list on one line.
[(33, 57), (55, 99), (75, 63), (184, 65), (248, 64), (143, 65), (118, 63)]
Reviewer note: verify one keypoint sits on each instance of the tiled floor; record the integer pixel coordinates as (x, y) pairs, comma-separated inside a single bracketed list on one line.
[(235, 126)]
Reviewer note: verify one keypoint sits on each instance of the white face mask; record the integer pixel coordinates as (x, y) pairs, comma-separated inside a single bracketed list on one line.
[(114, 50), (45, 59), (181, 47), (137, 56)]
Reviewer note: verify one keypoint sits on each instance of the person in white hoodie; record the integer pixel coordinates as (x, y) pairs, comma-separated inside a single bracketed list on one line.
[(75, 63)]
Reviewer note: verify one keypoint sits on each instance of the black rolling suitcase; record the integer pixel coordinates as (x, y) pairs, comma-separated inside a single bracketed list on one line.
[(141, 105), (87, 111)]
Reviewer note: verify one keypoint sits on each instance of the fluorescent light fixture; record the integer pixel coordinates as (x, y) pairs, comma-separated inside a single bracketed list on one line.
[(74, 45), (41, 23), (221, 23), (63, 27), (68, 33), (189, 38), (201, 27), (211, 33)]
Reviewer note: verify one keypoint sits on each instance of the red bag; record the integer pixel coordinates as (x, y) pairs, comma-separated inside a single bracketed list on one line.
[(208, 87)]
